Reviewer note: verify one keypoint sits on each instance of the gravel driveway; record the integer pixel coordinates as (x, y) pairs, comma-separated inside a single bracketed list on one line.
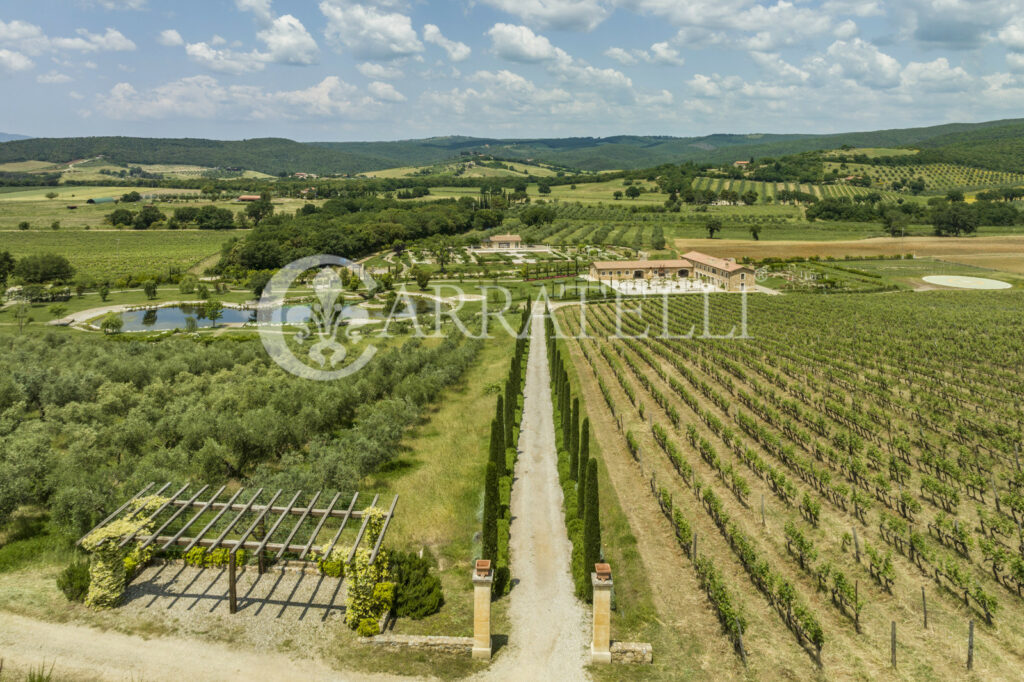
[(549, 639)]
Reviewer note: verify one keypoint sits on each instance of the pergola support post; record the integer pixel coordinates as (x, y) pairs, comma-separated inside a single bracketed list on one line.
[(483, 579), (232, 589)]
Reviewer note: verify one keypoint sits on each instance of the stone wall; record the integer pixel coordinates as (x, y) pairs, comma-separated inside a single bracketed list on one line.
[(445, 645), (632, 652)]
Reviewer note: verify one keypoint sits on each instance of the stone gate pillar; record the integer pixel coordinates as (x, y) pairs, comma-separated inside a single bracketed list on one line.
[(600, 648), (483, 577)]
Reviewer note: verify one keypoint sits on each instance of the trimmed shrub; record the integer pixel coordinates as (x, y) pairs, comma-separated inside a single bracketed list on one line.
[(418, 593), (73, 581), (368, 627)]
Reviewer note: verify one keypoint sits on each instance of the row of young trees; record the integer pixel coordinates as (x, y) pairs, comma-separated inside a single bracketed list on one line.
[(501, 460), (577, 471)]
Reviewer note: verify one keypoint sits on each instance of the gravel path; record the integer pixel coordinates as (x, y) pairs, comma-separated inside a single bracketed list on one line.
[(81, 652), (550, 637)]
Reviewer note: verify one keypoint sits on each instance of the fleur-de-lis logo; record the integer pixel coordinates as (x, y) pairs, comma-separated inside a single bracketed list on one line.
[(326, 319), (327, 316)]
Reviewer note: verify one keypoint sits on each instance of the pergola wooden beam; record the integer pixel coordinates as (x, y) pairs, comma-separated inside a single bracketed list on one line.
[(170, 520), (115, 513), (238, 517), (152, 516), (182, 501), (302, 519), (359, 538), (214, 520), (323, 520), (195, 517)]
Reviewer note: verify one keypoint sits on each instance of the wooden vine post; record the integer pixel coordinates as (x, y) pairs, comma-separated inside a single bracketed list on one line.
[(893, 644), (924, 606), (970, 646)]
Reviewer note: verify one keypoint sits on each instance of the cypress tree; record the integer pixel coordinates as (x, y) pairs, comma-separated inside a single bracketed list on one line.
[(591, 526), (510, 413), (497, 453), (584, 445), (574, 428), (490, 529), (581, 485)]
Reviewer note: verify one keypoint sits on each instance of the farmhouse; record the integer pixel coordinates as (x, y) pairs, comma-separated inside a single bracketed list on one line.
[(249, 197), (505, 241), (723, 273), (740, 164)]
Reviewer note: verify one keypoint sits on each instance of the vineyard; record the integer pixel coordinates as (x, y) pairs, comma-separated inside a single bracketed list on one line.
[(771, 189), (115, 254), (857, 481)]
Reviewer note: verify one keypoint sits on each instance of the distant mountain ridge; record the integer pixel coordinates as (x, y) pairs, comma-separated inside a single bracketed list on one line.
[(995, 144), (9, 137)]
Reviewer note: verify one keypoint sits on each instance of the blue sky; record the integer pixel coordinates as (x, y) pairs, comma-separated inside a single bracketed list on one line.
[(398, 69)]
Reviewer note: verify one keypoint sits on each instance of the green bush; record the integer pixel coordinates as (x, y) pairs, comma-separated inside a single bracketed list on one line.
[(368, 627), (73, 581), (418, 594), (199, 556)]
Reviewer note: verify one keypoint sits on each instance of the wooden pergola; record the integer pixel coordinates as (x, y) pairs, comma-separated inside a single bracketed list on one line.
[(225, 518)]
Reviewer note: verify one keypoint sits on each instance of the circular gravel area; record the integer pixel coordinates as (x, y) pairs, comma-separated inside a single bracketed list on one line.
[(959, 282)]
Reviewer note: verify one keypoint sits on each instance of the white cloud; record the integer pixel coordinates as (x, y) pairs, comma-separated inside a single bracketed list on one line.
[(121, 4), (520, 44), (288, 42), (14, 61), (864, 63), (935, 76), (385, 92), (856, 8), (1015, 61), (204, 97), (369, 32), (575, 15), (662, 98), (1012, 35), (663, 53), (225, 61), (111, 41), (260, 8), (379, 71), (499, 96), (456, 51), (170, 38), (53, 78), (846, 30), (623, 57), (773, 65)]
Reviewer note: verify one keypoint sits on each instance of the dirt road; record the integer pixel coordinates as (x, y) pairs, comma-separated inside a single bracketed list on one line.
[(81, 652), (549, 638)]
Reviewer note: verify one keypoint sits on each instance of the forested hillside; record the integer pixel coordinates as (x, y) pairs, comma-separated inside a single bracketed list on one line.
[(996, 144)]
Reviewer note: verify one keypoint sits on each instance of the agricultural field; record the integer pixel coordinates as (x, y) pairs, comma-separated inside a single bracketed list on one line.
[(938, 177), (770, 189), (512, 169), (871, 152), (832, 480), (111, 254)]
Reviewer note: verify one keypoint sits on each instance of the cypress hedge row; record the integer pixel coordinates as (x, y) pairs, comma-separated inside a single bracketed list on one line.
[(577, 472), (497, 515)]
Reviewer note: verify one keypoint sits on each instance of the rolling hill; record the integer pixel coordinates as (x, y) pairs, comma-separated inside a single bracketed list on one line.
[(998, 145)]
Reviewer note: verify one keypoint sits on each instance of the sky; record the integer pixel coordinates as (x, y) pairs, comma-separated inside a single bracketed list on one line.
[(402, 69)]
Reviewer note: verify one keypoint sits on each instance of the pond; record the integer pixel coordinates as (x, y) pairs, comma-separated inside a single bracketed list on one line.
[(176, 317)]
